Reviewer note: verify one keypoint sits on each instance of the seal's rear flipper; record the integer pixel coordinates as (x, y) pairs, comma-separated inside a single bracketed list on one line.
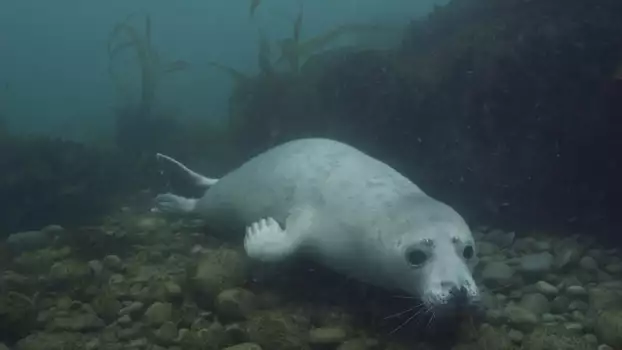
[(266, 241), (173, 204), (194, 177)]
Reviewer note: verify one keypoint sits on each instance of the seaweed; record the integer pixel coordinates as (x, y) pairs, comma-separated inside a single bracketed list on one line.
[(152, 67), (295, 51)]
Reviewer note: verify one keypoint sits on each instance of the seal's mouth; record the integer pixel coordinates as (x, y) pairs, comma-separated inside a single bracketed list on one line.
[(457, 300)]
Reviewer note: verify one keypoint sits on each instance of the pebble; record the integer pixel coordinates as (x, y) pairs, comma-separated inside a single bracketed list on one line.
[(588, 263), (113, 262), (327, 335), (516, 336), (124, 320), (576, 291), (158, 313), (244, 346), (134, 307), (546, 288)]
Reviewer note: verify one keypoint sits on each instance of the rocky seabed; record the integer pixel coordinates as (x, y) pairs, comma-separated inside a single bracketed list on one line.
[(145, 282)]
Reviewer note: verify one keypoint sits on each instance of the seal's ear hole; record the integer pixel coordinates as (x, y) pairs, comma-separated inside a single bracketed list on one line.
[(416, 257), (468, 252)]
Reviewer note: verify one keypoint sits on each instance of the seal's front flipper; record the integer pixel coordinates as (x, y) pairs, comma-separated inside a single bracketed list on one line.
[(194, 177), (266, 241), (173, 204)]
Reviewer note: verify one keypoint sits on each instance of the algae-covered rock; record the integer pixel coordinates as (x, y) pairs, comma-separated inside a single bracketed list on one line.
[(279, 330), (235, 304), (210, 338), (218, 270), (39, 261), (106, 306), (488, 337), (327, 335), (17, 314), (29, 240), (52, 341), (166, 333), (69, 271), (158, 313), (609, 327), (77, 322), (244, 346), (555, 337), (359, 344)]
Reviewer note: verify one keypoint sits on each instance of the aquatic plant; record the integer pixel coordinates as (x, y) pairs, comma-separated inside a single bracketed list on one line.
[(126, 36), (295, 51)]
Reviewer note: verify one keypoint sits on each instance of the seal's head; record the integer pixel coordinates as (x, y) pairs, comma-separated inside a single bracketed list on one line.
[(438, 254)]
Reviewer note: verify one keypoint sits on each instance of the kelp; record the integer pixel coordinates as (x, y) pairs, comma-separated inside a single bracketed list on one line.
[(294, 50), (263, 60), (152, 68)]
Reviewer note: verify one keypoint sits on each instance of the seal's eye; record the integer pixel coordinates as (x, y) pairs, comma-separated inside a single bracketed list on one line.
[(416, 257), (467, 253)]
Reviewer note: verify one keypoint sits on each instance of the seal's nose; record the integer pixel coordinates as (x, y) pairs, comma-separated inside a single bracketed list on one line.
[(458, 296)]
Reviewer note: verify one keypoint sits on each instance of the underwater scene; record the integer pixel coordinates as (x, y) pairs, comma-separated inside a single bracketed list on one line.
[(311, 175)]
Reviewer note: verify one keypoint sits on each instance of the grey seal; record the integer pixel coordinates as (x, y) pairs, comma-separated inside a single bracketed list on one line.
[(345, 210)]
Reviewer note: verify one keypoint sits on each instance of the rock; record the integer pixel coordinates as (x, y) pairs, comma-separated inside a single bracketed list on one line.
[(358, 344), (546, 288), (3, 347), (106, 306), (124, 320), (588, 263), (235, 304), (615, 268), (537, 264), (172, 289), (236, 333), (78, 322), (555, 337), (133, 332), (516, 336), (96, 267), (158, 313), (578, 305), (576, 291), (29, 240), (69, 271), (496, 274), (489, 337), (574, 327), (279, 330), (218, 270), (113, 263), (567, 253), (133, 308), (213, 335), (244, 346), (608, 327), (536, 303), (603, 298), (500, 238), (560, 304), (521, 318), (51, 341), (327, 335), (486, 248), (166, 333)]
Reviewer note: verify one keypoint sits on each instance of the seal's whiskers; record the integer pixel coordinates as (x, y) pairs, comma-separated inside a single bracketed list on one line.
[(400, 313), (422, 309), (403, 297), (431, 320)]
